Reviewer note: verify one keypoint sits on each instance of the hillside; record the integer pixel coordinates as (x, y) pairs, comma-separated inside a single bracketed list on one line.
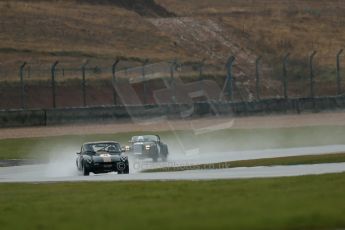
[(42, 31), (67, 29), (108, 28)]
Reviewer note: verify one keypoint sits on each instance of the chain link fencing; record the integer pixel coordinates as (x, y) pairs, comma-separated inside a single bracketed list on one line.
[(64, 85)]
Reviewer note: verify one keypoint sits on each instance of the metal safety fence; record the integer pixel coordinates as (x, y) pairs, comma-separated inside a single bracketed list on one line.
[(61, 85)]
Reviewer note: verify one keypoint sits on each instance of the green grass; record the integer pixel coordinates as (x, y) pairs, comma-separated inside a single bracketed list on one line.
[(23, 148), (308, 202), (294, 160), (222, 140)]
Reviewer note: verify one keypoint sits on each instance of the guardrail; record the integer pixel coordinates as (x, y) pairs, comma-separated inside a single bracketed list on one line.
[(46, 117)]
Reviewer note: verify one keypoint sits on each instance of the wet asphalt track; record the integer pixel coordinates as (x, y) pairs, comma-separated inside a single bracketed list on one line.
[(63, 170)]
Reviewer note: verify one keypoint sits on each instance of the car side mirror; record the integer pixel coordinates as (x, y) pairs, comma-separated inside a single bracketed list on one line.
[(78, 153)]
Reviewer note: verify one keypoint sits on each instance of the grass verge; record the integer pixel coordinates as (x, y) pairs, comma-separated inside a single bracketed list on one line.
[(307, 202), (179, 141), (294, 160)]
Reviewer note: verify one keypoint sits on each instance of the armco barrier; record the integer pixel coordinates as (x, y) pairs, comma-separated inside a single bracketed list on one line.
[(41, 117), (77, 115), (100, 113), (17, 118), (271, 106)]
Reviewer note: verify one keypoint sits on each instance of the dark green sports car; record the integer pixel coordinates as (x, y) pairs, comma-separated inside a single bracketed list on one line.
[(102, 157)]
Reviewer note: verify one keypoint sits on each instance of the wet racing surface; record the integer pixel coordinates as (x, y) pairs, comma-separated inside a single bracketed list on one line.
[(63, 169)]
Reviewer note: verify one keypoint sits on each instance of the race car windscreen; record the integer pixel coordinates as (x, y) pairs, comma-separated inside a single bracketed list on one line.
[(100, 148), (146, 138)]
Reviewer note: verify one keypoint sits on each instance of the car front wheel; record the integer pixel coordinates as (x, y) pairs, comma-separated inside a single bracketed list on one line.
[(85, 171), (123, 169), (155, 158)]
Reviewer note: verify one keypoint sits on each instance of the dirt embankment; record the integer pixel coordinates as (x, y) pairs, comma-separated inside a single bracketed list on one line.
[(148, 8)]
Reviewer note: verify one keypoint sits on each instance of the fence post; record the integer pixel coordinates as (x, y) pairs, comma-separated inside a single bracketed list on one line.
[(22, 94), (257, 76), (338, 72), (53, 68), (311, 58), (114, 80), (201, 76), (285, 81), (83, 71), (229, 81), (144, 81), (172, 80)]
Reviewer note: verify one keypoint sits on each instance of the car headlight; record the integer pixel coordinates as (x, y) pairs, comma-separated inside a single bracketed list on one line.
[(89, 160), (147, 147), (127, 148)]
